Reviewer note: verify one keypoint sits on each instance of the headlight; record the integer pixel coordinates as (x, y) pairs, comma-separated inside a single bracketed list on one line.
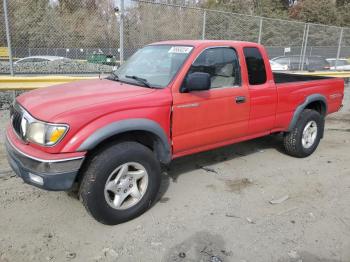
[(33, 130), (45, 134)]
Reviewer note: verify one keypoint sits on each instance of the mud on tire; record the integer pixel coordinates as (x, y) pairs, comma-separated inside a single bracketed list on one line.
[(96, 191), (295, 141)]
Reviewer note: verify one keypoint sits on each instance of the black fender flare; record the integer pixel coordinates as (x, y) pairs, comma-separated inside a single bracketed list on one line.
[(136, 124), (300, 108)]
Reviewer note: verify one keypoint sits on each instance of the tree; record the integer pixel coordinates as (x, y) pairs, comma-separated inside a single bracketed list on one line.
[(273, 8), (2, 28), (315, 11), (344, 14), (235, 6), (267, 8)]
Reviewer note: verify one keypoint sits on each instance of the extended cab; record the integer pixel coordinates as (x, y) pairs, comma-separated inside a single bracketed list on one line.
[(170, 99)]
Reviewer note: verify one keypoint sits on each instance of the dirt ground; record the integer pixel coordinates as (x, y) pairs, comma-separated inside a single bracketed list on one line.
[(214, 206)]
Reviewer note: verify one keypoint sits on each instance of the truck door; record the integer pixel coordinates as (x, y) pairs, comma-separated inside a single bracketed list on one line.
[(262, 92), (205, 119)]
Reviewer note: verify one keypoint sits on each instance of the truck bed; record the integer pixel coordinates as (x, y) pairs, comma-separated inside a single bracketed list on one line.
[(281, 78), (293, 89)]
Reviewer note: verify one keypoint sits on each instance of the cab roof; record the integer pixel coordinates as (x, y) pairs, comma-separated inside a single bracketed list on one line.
[(197, 43)]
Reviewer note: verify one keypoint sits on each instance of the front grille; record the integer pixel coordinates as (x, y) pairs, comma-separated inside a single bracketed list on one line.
[(16, 118)]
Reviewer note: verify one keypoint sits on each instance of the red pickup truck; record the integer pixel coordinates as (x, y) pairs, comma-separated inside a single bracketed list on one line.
[(170, 99)]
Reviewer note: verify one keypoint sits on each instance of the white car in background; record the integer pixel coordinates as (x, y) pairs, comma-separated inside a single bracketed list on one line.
[(343, 64), (36, 59), (278, 67)]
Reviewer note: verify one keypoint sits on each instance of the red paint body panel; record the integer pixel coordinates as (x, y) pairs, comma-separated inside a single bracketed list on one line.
[(263, 100), (290, 95), (101, 102), (52, 102), (193, 122), (214, 117)]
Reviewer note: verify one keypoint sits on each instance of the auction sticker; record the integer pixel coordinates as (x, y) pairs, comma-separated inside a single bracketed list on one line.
[(180, 49)]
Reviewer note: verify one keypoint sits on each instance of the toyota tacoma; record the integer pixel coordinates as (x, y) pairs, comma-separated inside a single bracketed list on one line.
[(111, 136)]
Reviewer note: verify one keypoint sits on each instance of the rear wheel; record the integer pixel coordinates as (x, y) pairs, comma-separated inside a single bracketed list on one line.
[(303, 140), (120, 183)]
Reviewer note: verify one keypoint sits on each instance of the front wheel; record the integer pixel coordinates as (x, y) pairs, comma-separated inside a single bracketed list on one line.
[(120, 182), (303, 140)]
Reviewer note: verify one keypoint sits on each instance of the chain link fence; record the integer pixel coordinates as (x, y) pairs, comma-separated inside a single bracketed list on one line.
[(79, 37), (69, 37)]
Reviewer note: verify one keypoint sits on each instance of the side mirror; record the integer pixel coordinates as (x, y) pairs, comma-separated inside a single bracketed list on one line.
[(196, 82)]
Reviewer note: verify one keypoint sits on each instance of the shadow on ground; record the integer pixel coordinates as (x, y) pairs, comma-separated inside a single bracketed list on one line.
[(205, 159), (189, 163)]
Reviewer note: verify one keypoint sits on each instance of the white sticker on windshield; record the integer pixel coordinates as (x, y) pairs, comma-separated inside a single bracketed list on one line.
[(180, 49)]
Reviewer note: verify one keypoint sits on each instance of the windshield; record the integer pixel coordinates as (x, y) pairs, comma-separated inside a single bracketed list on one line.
[(153, 66)]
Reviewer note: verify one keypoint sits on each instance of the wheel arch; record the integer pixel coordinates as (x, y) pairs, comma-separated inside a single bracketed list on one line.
[(315, 102), (144, 131)]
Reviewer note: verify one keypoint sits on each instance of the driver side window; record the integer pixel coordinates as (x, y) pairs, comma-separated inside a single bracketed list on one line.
[(221, 63)]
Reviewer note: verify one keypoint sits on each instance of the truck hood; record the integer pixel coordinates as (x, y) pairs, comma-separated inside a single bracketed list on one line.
[(47, 103)]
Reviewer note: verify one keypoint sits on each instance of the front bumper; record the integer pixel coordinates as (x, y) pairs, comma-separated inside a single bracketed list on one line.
[(56, 175)]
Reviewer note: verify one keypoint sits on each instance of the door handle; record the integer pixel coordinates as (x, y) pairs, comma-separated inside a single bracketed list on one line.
[(240, 99)]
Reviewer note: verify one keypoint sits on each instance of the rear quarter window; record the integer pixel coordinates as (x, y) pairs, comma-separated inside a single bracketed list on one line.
[(255, 65)]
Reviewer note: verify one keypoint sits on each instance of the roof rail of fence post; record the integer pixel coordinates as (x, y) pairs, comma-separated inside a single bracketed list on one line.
[(339, 47), (302, 47), (305, 45), (204, 24), (8, 36), (260, 29)]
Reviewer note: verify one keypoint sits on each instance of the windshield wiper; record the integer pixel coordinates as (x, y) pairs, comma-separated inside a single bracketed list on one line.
[(113, 76), (140, 80)]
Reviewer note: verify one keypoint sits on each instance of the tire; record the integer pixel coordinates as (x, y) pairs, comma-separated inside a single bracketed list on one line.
[(100, 184), (293, 141)]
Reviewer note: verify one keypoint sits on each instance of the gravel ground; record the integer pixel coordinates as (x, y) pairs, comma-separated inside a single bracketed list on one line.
[(55, 67), (214, 206)]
